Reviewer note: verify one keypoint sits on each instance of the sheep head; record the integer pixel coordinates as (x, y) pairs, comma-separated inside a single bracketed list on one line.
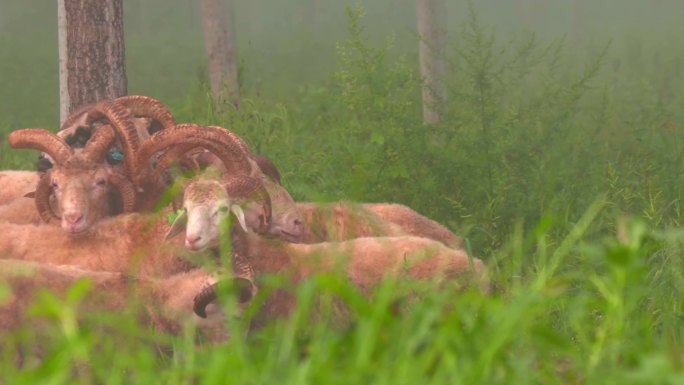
[(79, 180), (286, 220), (207, 202)]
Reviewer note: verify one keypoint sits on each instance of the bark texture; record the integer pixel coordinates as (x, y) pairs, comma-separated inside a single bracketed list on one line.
[(432, 29), (219, 43), (91, 52)]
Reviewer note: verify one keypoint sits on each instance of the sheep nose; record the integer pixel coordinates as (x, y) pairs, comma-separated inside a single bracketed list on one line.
[(192, 240), (73, 218)]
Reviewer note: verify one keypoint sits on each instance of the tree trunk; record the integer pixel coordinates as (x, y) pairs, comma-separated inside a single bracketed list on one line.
[(311, 14), (220, 46), (91, 52), (432, 30), (578, 21)]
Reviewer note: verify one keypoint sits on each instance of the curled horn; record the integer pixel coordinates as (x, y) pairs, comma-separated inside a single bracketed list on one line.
[(126, 190), (243, 280), (41, 140), (204, 298), (121, 121), (172, 156), (148, 107), (99, 143), (42, 199), (268, 167), (214, 140), (245, 291), (234, 137), (265, 165), (241, 187)]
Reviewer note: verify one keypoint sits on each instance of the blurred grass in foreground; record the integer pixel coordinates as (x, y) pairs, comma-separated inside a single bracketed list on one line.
[(608, 311), (536, 132)]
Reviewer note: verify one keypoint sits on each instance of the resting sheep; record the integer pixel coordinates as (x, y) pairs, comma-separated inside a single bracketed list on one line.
[(79, 180), (364, 261), (163, 304), (22, 210), (338, 221), (221, 148), (82, 160), (132, 243), (15, 184)]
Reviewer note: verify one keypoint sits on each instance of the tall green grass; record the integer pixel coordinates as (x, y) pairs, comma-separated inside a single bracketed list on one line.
[(606, 311), (548, 152)]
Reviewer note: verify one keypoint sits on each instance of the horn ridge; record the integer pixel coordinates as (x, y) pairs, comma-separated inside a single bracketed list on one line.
[(42, 199), (41, 140), (100, 142)]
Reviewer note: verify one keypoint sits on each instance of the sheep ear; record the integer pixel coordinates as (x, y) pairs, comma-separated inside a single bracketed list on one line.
[(237, 210), (31, 194), (178, 225)]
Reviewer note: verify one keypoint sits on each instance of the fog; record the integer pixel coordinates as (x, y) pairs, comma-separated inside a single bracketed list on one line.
[(283, 45)]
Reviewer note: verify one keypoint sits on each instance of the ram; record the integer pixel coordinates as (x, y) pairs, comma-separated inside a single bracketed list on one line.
[(80, 163), (204, 146), (132, 243), (16, 184), (337, 221), (165, 304), (364, 261)]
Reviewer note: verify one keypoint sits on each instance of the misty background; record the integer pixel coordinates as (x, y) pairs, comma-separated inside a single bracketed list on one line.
[(550, 103), (283, 46)]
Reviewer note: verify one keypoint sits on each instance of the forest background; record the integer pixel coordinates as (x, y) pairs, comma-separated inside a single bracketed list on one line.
[(564, 121)]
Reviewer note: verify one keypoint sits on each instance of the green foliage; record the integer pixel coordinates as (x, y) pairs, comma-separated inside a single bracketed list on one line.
[(587, 312), (559, 163)]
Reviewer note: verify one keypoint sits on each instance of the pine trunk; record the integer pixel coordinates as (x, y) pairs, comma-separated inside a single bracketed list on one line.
[(91, 52), (220, 47), (432, 30)]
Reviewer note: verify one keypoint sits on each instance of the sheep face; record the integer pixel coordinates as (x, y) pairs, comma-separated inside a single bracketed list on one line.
[(286, 222), (81, 193), (206, 207)]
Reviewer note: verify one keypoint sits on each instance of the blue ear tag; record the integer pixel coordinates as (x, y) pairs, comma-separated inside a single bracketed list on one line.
[(116, 154)]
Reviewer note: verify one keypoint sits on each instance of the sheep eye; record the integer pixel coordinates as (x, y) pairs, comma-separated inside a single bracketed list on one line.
[(54, 185), (223, 209), (101, 182)]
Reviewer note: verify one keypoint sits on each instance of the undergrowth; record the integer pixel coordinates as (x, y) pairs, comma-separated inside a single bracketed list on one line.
[(561, 169)]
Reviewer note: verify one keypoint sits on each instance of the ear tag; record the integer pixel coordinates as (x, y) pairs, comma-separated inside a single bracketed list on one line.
[(178, 224), (171, 217), (116, 154)]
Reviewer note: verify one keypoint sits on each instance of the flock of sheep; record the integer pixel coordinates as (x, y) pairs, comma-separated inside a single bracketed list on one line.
[(121, 180)]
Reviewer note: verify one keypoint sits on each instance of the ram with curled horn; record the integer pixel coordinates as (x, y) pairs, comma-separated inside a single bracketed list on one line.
[(198, 146), (80, 179), (148, 115), (135, 117)]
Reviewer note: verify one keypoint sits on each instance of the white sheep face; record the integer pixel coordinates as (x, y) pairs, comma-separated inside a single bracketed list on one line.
[(206, 207)]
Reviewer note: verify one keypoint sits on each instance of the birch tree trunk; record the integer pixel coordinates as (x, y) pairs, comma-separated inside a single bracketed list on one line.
[(91, 52), (219, 43), (432, 30)]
